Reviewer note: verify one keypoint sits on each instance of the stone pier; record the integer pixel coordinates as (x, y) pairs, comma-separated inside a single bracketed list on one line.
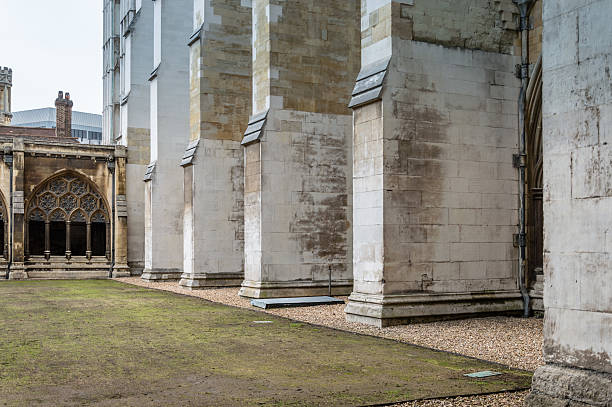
[(213, 172), (298, 180), (163, 198), (435, 194), (577, 117)]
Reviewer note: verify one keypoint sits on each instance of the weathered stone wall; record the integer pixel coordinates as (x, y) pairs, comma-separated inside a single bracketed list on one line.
[(297, 205), (577, 113), (306, 54), (220, 93), (169, 133), (481, 24), (34, 163), (133, 125), (435, 193), (298, 173), (535, 35)]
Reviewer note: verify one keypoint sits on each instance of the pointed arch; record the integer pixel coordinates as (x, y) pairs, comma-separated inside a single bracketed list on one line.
[(68, 190), (60, 213)]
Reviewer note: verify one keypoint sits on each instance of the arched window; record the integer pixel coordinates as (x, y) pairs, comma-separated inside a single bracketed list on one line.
[(66, 216)]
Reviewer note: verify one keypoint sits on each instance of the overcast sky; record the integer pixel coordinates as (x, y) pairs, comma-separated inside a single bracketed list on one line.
[(53, 45)]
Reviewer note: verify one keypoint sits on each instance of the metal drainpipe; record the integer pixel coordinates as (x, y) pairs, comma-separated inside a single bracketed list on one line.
[(524, 8), (111, 168), (8, 159)]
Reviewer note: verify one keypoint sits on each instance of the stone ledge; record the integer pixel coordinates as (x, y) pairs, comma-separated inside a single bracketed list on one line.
[(195, 281), (161, 274), (281, 289), (387, 310), (558, 386)]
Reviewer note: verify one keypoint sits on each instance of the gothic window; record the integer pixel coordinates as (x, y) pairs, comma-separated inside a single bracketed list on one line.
[(66, 216)]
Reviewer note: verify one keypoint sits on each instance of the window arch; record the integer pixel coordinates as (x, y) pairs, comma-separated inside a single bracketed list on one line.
[(63, 217)]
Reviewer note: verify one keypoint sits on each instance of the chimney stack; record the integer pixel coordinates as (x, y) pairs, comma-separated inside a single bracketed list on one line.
[(63, 118)]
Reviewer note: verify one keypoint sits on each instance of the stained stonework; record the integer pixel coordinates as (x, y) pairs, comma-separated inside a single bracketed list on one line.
[(57, 180), (297, 172), (435, 193), (577, 111), (220, 102)]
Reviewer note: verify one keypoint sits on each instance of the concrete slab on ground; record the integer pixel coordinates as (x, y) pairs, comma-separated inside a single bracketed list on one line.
[(294, 302)]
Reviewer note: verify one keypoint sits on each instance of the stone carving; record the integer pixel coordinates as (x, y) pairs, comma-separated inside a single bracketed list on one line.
[(68, 203), (36, 215), (58, 186), (78, 216), (62, 197), (47, 202), (98, 217), (57, 216), (89, 203), (79, 188)]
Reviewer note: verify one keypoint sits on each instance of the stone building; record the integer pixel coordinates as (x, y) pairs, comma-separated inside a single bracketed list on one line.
[(576, 110), (128, 62), (169, 89), (298, 178), (6, 84), (61, 208), (427, 198), (220, 104)]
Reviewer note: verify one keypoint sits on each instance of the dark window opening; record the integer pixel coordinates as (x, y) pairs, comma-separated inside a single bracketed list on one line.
[(58, 238), (98, 239), (78, 238), (36, 237)]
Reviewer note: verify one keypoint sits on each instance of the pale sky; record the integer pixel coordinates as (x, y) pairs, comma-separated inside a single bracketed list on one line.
[(53, 45)]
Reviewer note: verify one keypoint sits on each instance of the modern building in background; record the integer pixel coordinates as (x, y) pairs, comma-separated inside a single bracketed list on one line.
[(86, 127)]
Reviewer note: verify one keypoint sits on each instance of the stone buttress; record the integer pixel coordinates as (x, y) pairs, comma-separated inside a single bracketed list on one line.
[(220, 102), (434, 190), (169, 83), (298, 184)]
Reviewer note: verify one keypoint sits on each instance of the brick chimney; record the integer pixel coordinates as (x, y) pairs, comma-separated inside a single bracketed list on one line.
[(63, 118)]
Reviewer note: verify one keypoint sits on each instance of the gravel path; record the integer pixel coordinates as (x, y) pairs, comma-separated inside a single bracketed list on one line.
[(515, 342)]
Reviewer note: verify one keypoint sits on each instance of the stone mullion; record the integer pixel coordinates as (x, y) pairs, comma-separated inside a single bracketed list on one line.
[(88, 250), (68, 251), (47, 239), (108, 240)]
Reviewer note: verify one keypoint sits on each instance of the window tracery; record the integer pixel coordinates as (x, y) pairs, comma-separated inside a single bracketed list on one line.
[(69, 194)]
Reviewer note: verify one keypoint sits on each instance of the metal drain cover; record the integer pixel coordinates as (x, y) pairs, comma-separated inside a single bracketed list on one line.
[(486, 373)]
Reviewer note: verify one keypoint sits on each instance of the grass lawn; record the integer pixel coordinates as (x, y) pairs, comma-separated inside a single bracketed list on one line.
[(111, 344)]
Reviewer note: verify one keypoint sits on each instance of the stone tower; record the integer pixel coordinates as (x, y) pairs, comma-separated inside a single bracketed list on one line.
[(6, 83)]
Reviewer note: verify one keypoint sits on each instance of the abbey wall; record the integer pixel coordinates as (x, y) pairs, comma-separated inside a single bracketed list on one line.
[(410, 153), (213, 171)]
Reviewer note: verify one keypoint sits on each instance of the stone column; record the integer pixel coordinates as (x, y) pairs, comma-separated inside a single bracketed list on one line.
[(220, 103), (88, 242), (169, 87), (121, 268), (298, 148), (68, 251), (434, 190), (18, 270), (577, 149)]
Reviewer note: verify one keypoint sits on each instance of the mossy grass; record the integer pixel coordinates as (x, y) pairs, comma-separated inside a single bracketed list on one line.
[(104, 342)]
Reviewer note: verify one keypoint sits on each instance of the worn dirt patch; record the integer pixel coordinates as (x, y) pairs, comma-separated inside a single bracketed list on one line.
[(110, 344)]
